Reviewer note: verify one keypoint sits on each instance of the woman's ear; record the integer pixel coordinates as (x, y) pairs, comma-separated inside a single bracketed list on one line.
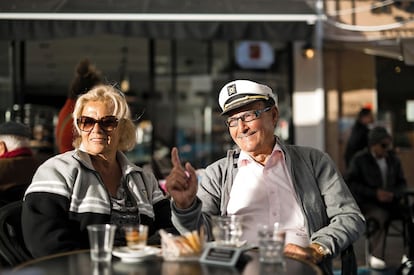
[(3, 147)]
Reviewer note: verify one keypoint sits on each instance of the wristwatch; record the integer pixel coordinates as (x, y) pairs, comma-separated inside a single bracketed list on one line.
[(320, 250)]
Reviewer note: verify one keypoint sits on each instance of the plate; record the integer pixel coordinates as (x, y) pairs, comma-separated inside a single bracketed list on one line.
[(129, 255)]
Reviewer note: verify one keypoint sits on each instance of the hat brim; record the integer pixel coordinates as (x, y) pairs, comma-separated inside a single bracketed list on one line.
[(242, 101)]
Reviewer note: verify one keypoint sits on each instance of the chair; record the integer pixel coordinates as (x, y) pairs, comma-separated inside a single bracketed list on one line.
[(12, 194), (396, 227), (12, 248), (349, 264), (400, 223)]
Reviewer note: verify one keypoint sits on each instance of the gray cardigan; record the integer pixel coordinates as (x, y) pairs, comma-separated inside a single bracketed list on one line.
[(332, 216)]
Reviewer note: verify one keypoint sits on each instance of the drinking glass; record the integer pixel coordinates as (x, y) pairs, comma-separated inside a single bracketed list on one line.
[(136, 236), (271, 244), (227, 230), (101, 240)]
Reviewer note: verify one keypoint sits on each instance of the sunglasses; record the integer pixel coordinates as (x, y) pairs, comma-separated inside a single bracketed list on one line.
[(107, 123), (385, 145)]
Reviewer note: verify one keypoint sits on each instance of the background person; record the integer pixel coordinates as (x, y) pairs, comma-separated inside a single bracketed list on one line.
[(376, 178), (358, 138), (17, 162), (266, 181), (86, 76), (95, 183)]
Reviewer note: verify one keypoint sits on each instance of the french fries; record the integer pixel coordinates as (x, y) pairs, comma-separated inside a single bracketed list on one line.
[(189, 244)]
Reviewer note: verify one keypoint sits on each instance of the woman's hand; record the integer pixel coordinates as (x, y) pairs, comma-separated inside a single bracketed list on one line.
[(181, 183)]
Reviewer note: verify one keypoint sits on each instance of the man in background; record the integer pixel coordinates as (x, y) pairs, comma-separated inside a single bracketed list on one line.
[(358, 139), (17, 162), (376, 178)]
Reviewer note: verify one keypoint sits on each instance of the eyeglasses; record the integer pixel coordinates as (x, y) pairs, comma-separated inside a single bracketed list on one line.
[(107, 123), (246, 117)]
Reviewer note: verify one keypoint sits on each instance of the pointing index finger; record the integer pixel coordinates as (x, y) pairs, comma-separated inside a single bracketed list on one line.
[(175, 158)]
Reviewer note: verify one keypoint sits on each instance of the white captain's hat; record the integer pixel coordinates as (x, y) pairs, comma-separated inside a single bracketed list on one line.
[(238, 93)]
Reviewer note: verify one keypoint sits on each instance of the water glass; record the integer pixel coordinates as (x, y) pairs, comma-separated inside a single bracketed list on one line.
[(227, 230), (101, 240), (271, 244)]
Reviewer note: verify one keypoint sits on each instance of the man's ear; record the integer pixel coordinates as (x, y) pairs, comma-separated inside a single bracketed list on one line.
[(3, 147), (276, 115)]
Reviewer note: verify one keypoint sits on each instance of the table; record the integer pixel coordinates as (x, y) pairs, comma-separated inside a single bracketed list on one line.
[(79, 263)]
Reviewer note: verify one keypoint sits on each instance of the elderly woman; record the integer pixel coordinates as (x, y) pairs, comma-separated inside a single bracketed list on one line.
[(95, 183)]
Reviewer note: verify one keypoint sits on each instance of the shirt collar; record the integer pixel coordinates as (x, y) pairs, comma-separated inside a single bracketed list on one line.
[(277, 153)]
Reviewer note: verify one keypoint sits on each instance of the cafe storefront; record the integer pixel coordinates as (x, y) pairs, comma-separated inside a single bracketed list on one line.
[(170, 59)]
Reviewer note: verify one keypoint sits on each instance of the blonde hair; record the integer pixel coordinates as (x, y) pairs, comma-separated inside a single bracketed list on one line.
[(113, 98)]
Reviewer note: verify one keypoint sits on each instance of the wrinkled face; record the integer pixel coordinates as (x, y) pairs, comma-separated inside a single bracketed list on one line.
[(255, 136), (103, 137)]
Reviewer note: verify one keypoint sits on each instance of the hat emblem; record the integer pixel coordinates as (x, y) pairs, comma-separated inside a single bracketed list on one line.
[(231, 90)]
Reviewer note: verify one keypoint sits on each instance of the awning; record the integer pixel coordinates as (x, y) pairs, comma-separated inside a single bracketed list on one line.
[(383, 28), (282, 20)]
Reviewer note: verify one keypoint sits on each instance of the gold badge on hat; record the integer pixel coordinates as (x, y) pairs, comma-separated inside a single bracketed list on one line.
[(231, 89)]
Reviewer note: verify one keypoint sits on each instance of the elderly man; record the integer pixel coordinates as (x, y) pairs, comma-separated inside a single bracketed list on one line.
[(266, 181), (17, 163)]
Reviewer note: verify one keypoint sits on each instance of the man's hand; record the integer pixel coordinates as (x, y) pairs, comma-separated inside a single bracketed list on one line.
[(384, 196), (181, 183)]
